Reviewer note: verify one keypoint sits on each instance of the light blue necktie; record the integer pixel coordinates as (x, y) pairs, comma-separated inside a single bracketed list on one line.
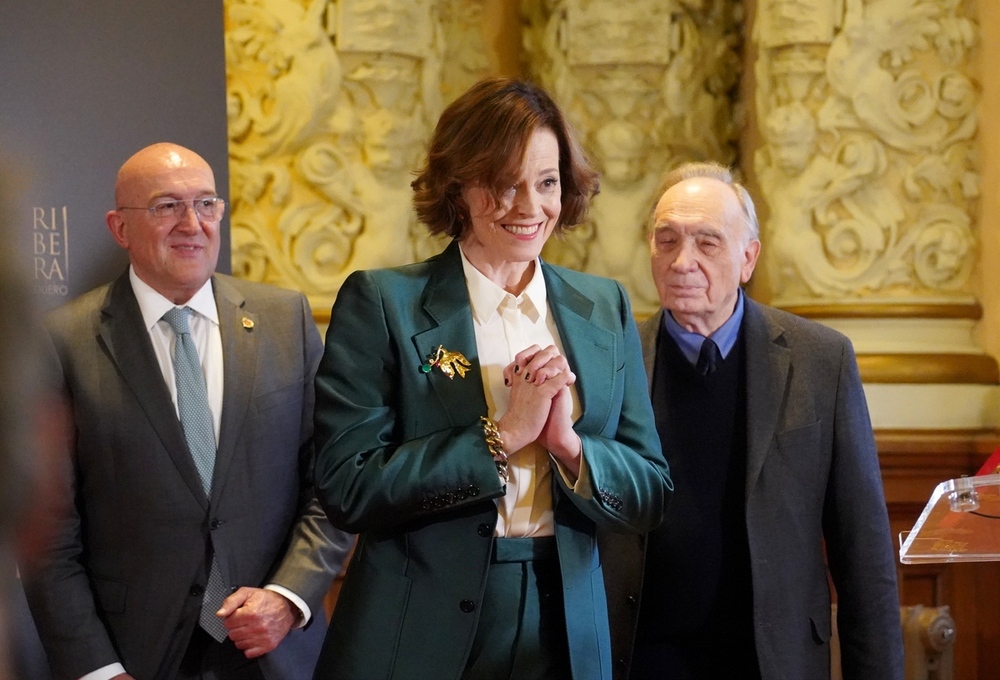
[(196, 421)]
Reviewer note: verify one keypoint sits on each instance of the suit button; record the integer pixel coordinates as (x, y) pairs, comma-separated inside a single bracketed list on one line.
[(215, 524), (484, 530), (467, 606), (197, 590)]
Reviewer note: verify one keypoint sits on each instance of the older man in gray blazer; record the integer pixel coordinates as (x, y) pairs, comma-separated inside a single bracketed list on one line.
[(763, 420), (192, 545)]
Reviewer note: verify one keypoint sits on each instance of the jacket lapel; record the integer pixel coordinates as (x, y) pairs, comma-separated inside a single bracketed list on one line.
[(446, 302), (649, 332), (767, 361), (586, 344), (239, 366), (127, 341)]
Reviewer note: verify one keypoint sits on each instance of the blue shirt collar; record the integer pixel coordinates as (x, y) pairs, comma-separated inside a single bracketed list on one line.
[(725, 336)]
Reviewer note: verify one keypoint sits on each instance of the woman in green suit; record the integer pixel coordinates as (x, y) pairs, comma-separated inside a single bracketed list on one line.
[(479, 414)]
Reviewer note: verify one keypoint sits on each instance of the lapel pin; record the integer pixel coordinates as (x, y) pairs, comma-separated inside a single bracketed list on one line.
[(448, 362), (247, 323)]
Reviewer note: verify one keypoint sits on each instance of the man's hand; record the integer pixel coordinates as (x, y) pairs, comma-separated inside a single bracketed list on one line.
[(257, 619)]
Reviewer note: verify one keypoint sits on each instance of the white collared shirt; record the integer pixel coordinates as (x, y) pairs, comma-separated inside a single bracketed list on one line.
[(204, 324), (505, 325)]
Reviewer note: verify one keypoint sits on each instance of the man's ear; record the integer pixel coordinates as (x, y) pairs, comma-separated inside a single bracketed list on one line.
[(116, 225), (750, 254)]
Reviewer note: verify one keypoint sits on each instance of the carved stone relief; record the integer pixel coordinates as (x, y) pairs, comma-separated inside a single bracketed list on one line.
[(647, 84), (867, 108), (330, 105), (868, 111)]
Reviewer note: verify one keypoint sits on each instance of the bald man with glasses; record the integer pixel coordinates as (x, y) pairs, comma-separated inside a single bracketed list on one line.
[(192, 545)]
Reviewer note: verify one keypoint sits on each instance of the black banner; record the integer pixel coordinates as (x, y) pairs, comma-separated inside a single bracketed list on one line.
[(83, 86)]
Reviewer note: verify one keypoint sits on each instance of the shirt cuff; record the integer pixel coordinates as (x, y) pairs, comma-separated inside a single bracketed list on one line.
[(581, 487), (297, 601), (105, 672)]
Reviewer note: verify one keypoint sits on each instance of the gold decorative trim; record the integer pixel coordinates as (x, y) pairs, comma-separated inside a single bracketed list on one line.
[(979, 369), (972, 311), (971, 441)]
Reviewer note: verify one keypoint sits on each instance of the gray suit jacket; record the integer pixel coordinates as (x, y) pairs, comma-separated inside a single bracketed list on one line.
[(812, 475), (121, 581)]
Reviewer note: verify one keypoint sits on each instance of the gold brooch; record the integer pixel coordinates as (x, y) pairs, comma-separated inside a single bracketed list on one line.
[(247, 323), (449, 362)]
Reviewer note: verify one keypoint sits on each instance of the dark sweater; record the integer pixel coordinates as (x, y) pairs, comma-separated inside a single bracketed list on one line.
[(696, 617)]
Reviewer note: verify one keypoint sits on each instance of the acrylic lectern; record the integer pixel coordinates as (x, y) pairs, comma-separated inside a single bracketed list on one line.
[(961, 523)]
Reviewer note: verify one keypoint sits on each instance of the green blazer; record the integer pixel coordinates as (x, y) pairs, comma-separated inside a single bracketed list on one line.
[(402, 461)]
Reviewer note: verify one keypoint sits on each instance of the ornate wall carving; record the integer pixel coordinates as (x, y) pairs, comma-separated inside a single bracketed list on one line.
[(330, 103), (868, 109), (648, 84)]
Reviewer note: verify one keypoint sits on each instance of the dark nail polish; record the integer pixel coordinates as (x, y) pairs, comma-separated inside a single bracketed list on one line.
[(506, 382), (516, 369), (527, 376)]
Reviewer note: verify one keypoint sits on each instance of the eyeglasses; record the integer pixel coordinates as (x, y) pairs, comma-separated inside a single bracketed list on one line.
[(209, 208)]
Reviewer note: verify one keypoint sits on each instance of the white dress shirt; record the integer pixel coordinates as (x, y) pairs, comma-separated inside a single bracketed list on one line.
[(505, 325), (204, 324)]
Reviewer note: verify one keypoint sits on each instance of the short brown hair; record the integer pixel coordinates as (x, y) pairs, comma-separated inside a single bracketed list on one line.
[(481, 139)]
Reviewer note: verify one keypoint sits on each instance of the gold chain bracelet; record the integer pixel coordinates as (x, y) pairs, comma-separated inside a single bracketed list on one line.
[(495, 445)]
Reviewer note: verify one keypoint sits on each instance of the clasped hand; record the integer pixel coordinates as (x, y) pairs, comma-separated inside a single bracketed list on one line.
[(257, 619), (541, 407)]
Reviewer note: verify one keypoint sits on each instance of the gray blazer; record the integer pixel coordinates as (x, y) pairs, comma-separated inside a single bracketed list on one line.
[(812, 476), (121, 581)]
